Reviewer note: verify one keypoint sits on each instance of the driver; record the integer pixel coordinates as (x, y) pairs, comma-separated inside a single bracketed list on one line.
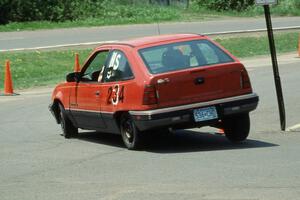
[(101, 74)]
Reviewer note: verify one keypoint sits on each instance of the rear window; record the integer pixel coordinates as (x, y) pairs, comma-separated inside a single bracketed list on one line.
[(183, 55)]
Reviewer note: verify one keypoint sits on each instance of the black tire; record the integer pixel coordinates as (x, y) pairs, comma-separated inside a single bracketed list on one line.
[(237, 127), (68, 129), (130, 134)]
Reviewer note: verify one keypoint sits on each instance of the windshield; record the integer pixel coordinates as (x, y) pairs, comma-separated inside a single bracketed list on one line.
[(183, 55)]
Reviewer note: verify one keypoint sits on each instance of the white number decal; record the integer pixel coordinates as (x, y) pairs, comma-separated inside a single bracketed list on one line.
[(113, 64), (115, 97), (115, 94)]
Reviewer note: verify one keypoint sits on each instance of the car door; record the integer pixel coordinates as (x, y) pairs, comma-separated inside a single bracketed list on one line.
[(87, 96), (117, 81)]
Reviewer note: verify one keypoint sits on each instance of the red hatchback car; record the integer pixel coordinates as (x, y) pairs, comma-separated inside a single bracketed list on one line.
[(156, 83)]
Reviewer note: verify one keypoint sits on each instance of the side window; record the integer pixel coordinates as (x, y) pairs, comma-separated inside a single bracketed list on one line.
[(95, 66), (208, 53), (213, 54), (153, 58), (117, 68)]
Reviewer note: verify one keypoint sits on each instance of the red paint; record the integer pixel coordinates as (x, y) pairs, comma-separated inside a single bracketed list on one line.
[(143, 91)]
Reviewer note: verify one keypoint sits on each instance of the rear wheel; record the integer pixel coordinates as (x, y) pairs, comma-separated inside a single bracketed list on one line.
[(237, 127), (130, 134), (68, 129)]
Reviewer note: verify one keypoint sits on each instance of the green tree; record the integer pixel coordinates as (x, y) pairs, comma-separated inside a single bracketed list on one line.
[(220, 5)]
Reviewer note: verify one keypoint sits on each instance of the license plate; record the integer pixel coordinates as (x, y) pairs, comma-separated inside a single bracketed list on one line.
[(205, 114)]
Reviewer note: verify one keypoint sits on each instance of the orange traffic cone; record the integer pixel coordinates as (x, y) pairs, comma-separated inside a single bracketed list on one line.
[(77, 65), (8, 84)]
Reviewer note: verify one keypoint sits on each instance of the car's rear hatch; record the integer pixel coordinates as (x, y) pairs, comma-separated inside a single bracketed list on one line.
[(201, 84), (192, 71)]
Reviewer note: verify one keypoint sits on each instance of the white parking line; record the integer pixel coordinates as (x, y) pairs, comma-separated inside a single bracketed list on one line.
[(11, 38), (59, 46), (294, 128), (252, 31)]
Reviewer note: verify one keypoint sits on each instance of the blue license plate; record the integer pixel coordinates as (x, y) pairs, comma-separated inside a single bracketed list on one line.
[(205, 114)]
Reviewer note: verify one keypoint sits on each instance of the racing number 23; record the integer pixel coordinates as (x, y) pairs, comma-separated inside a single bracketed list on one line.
[(115, 94)]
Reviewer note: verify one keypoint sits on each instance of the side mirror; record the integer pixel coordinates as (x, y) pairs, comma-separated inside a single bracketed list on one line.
[(73, 77)]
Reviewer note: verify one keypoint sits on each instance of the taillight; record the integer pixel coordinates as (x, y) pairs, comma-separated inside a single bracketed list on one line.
[(245, 81), (149, 95)]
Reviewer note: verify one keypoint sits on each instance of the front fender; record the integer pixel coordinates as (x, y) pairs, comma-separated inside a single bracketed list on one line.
[(60, 95), (54, 109)]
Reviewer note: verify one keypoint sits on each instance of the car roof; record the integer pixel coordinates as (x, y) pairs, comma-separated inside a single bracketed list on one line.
[(153, 40)]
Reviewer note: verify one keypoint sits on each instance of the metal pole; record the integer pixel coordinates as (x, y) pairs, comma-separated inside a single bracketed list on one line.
[(275, 68)]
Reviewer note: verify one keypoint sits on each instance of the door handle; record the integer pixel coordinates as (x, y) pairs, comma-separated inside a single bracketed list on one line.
[(162, 81)]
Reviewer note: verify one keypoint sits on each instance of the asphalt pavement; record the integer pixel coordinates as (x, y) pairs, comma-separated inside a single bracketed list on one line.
[(37, 163), (76, 36)]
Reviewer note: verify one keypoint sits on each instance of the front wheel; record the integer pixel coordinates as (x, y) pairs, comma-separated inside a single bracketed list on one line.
[(68, 129), (237, 127), (130, 134)]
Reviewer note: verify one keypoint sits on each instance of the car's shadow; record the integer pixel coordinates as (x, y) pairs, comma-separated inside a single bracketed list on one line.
[(182, 141), (101, 138)]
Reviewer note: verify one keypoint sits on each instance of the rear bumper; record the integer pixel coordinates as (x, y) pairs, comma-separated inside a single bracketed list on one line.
[(183, 115)]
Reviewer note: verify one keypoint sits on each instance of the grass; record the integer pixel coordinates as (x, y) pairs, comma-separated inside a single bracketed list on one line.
[(254, 46), (139, 14), (123, 15), (162, 14), (42, 68), (32, 69)]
